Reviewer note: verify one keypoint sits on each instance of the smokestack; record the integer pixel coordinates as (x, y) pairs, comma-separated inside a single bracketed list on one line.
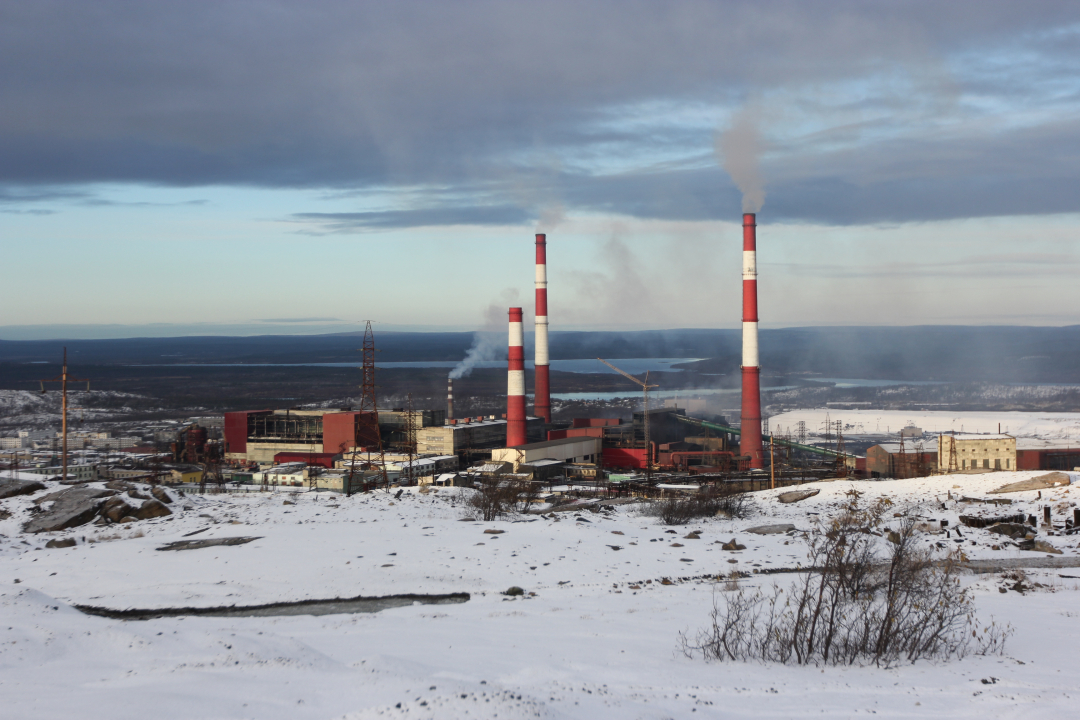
[(515, 383), (750, 442), (542, 401), (449, 398)]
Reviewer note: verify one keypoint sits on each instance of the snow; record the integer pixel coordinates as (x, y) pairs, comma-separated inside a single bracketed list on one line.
[(587, 645), (1047, 425)]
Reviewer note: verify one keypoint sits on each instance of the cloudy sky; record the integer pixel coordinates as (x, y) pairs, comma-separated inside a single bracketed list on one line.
[(253, 166)]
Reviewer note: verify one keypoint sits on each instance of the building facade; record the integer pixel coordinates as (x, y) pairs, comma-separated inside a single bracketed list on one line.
[(976, 452)]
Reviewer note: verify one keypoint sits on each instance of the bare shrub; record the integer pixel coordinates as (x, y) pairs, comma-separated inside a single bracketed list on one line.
[(498, 498), (707, 502), (855, 606)]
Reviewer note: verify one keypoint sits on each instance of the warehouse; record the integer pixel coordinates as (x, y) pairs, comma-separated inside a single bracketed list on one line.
[(976, 452), (463, 436), (893, 460), (567, 450)]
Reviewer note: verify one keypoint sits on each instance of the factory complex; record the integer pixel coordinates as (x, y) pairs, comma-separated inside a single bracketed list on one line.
[(357, 448)]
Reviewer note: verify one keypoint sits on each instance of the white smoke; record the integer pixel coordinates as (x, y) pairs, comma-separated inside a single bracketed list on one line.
[(489, 342), (551, 216), (739, 151)]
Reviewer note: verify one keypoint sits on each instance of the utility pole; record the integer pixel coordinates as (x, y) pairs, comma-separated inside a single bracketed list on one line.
[(772, 465), (63, 379)]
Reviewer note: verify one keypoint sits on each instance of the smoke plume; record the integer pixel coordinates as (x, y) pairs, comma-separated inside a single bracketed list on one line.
[(489, 342), (739, 151)]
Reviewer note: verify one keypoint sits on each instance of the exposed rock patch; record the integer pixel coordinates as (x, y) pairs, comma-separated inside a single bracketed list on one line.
[(795, 496), (211, 542), (11, 487)]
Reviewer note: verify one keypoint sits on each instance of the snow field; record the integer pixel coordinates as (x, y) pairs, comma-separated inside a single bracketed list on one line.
[(592, 647)]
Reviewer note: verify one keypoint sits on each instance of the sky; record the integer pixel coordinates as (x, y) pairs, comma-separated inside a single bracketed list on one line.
[(244, 167)]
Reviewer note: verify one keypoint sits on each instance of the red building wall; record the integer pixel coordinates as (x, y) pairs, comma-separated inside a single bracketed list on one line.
[(326, 460), (1029, 459), (624, 458), (339, 431), (236, 428), (595, 422)]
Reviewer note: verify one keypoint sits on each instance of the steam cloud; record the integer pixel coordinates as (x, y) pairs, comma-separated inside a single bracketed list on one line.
[(739, 151), (489, 342)]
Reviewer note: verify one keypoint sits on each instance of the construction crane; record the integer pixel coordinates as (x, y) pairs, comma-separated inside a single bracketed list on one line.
[(645, 388)]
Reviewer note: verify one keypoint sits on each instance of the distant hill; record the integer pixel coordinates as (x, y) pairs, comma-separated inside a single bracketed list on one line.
[(951, 353)]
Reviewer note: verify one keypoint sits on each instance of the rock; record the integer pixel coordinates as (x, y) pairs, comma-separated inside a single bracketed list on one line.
[(128, 519), (1011, 530), (733, 545), (1038, 546), (676, 545), (692, 536), (119, 485), (161, 494), (133, 493), (212, 542), (116, 509), (288, 502), (617, 532), (66, 542), (514, 591), (492, 531), (778, 529), (11, 487), (72, 507), (81, 491), (152, 509), (1042, 482), (893, 537), (795, 496), (615, 547)]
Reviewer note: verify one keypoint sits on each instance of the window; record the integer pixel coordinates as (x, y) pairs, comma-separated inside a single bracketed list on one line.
[(1006, 463), (997, 464), (986, 463)]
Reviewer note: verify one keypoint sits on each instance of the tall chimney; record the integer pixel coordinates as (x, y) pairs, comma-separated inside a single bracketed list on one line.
[(515, 383), (750, 441), (543, 384), (449, 398)]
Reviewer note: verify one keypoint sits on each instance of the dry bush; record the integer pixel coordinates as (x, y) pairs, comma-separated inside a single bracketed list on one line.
[(706, 503), (855, 606), (497, 499)]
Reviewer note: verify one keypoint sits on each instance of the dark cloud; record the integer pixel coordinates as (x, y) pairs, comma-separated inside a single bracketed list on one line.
[(495, 95), (421, 217)]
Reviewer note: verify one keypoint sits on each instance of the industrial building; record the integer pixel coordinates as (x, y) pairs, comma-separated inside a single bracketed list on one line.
[(567, 450), (464, 436), (260, 435), (894, 460), (1033, 454), (976, 452)]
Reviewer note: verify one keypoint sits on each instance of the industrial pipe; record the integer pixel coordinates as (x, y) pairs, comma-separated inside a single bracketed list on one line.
[(542, 402), (750, 440), (515, 383)]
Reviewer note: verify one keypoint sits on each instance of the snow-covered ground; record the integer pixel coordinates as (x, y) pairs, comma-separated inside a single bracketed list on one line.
[(1057, 426), (23, 410), (597, 640)]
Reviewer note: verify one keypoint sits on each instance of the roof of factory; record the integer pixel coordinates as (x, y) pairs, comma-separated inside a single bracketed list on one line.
[(555, 443)]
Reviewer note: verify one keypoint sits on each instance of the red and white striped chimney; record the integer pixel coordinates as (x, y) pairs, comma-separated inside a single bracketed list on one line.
[(542, 402), (515, 383), (449, 398), (750, 441)]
